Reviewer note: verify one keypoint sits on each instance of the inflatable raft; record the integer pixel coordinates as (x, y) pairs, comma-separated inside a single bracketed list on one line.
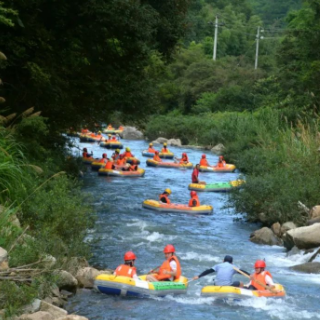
[(169, 155), (129, 160), (226, 168), (83, 137), (119, 173), (240, 293), (216, 187), (95, 138), (153, 163), (174, 207), (111, 144), (125, 286), (89, 160), (96, 165)]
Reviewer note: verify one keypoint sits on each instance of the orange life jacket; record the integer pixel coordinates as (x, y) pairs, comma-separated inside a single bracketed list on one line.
[(164, 150), (261, 278), (103, 160), (133, 167), (184, 159), (194, 202), (221, 164), (84, 131), (109, 165), (166, 198), (204, 163), (157, 158), (121, 128), (85, 154), (121, 162), (166, 266), (125, 271), (115, 156), (128, 154), (151, 150)]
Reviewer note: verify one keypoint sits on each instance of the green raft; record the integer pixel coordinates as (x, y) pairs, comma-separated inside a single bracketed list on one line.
[(216, 187)]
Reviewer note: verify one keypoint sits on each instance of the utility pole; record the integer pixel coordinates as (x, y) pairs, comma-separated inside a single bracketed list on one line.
[(215, 39), (257, 48)]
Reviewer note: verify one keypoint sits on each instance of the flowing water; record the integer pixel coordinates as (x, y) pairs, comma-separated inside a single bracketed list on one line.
[(200, 242)]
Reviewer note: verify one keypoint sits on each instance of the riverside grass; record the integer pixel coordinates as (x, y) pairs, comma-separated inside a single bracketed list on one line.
[(280, 159), (52, 211)]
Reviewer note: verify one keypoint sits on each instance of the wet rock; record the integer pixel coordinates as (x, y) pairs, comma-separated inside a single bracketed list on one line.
[(40, 315), (219, 148), (264, 236), (309, 267), (276, 228), (287, 226), (174, 142), (53, 310), (86, 276), (314, 212), (303, 237), (66, 281), (314, 255), (132, 133)]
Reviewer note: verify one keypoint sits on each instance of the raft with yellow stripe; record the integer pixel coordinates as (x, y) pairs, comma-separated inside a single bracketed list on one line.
[(119, 173), (240, 293), (89, 160), (153, 163), (111, 144), (175, 207), (96, 165), (125, 286), (216, 187), (131, 159), (168, 155), (226, 168)]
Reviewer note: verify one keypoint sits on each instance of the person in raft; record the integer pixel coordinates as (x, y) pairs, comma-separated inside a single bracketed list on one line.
[(164, 149), (260, 278), (204, 162), (194, 201), (156, 157), (225, 272), (104, 158), (121, 161), (221, 163), (184, 159), (86, 154), (127, 153), (164, 197), (170, 269), (109, 165), (151, 149), (116, 155), (195, 175), (131, 167), (127, 269)]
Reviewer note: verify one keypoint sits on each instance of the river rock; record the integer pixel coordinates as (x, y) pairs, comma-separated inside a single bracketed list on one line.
[(160, 140), (303, 237), (264, 236), (53, 310), (40, 315), (276, 228), (86, 276), (74, 264), (219, 148), (262, 217), (313, 221), (174, 142), (287, 226), (3, 259), (314, 212), (132, 133), (309, 267), (72, 317), (32, 307), (66, 280)]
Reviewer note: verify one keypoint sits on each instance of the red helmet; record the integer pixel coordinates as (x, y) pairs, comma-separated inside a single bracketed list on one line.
[(260, 264), (104, 155), (193, 193), (157, 152), (184, 154), (203, 156), (169, 248), (129, 256)]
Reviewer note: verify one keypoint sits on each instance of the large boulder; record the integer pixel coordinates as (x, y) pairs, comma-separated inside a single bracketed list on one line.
[(160, 140), (40, 315), (309, 267), (287, 226), (303, 237), (314, 212), (174, 142), (66, 280), (132, 133), (53, 310), (72, 317), (264, 236), (219, 148), (86, 276), (3, 259), (276, 228), (74, 264)]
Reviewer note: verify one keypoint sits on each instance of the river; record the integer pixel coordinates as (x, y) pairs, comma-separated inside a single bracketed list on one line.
[(200, 242)]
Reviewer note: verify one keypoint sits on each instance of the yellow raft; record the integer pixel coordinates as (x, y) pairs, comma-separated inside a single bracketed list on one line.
[(125, 286), (111, 144), (119, 173), (175, 207), (241, 293), (226, 168)]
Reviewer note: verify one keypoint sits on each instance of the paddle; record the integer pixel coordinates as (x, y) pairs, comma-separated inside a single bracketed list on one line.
[(257, 281), (153, 270)]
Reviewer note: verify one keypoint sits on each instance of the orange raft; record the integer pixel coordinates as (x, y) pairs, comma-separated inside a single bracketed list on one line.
[(153, 163), (226, 168), (174, 207), (119, 173), (241, 293)]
